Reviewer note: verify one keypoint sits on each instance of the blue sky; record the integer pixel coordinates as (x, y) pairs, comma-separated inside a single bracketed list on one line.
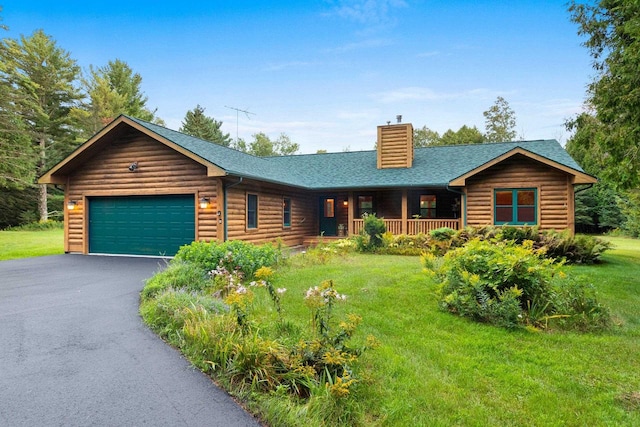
[(327, 73)]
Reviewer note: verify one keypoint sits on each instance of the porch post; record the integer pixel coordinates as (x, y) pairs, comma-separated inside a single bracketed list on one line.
[(221, 206), (350, 210), (404, 211)]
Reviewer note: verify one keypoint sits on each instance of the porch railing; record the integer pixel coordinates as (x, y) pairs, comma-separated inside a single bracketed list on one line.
[(414, 226), (417, 226)]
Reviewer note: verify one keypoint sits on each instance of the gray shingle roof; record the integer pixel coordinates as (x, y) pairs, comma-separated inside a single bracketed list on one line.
[(432, 166)]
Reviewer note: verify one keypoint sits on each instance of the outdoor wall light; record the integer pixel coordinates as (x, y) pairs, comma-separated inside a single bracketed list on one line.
[(133, 167), (71, 205), (204, 202), (345, 203)]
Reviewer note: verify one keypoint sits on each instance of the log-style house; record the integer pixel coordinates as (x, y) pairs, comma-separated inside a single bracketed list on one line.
[(139, 188)]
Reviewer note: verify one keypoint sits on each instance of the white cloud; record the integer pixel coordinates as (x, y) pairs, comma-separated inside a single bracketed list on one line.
[(365, 44), (426, 94), (357, 115), (370, 12), (290, 64), (563, 107), (428, 54)]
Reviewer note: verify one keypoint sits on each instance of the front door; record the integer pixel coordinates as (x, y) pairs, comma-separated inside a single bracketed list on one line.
[(328, 220)]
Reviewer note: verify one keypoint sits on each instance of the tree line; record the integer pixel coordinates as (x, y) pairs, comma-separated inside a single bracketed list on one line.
[(606, 137), (500, 126), (48, 107)]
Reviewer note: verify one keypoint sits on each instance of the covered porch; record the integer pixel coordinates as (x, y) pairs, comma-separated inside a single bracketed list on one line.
[(405, 211), (410, 226)]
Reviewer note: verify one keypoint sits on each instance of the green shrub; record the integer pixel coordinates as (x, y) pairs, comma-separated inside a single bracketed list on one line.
[(574, 249), (578, 308), (234, 255), (313, 369), (405, 244), (507, 284), (493, 281), (324, 251), (178, 275), (167, 312), (374, 227), (39, 226), (443, 233)]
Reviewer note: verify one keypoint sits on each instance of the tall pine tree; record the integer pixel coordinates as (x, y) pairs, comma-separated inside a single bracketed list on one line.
[(197, 124), (44, 77), (112, 90)]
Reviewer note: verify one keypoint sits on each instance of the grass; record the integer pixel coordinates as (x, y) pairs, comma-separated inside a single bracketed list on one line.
[(26, 244), (436, 369)]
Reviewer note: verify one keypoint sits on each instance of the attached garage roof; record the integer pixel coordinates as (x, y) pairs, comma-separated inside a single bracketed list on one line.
[(433, 166)]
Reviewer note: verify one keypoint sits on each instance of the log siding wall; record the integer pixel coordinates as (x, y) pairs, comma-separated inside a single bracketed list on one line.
[(161, 170), (270, 214), (555, 192)]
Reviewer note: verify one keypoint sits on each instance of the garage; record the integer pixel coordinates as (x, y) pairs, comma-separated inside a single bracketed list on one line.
[(141, 225)]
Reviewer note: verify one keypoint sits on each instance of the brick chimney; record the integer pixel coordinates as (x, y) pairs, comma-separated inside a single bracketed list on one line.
[(395, 145)]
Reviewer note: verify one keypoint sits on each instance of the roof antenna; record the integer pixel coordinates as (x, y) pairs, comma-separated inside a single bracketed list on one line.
[(399, 118), (238, 110)]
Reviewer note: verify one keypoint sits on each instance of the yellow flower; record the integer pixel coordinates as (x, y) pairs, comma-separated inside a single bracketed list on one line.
[(264, 273), (333, 357), (372, 342), (340, 388)]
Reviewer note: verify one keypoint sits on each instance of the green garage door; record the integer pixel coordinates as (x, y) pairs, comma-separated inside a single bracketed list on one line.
[(141, 225)]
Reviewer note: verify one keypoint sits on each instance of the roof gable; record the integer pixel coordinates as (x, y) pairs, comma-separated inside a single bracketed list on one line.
[(437, 166), (578, 176), (120, 128)]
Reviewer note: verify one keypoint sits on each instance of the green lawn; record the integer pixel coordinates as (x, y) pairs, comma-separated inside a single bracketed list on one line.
[(25, 244), (437, 369)]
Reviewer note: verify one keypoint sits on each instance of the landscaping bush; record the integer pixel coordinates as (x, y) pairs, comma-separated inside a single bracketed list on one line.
[(214, 319), (374, 228), (168, 311), (580, 300), (324, 251), (38, 226), (178, 275), (507, 284), (493, 282), (405, 244), (574, 249), (234, 255)]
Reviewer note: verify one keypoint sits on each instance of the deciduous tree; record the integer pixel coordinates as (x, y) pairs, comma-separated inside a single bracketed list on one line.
[(263, 146), (500, 122), (424, 137), (464, 135)]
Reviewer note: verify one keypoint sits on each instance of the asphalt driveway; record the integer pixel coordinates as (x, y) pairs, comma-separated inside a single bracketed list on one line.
[(74, 351)]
